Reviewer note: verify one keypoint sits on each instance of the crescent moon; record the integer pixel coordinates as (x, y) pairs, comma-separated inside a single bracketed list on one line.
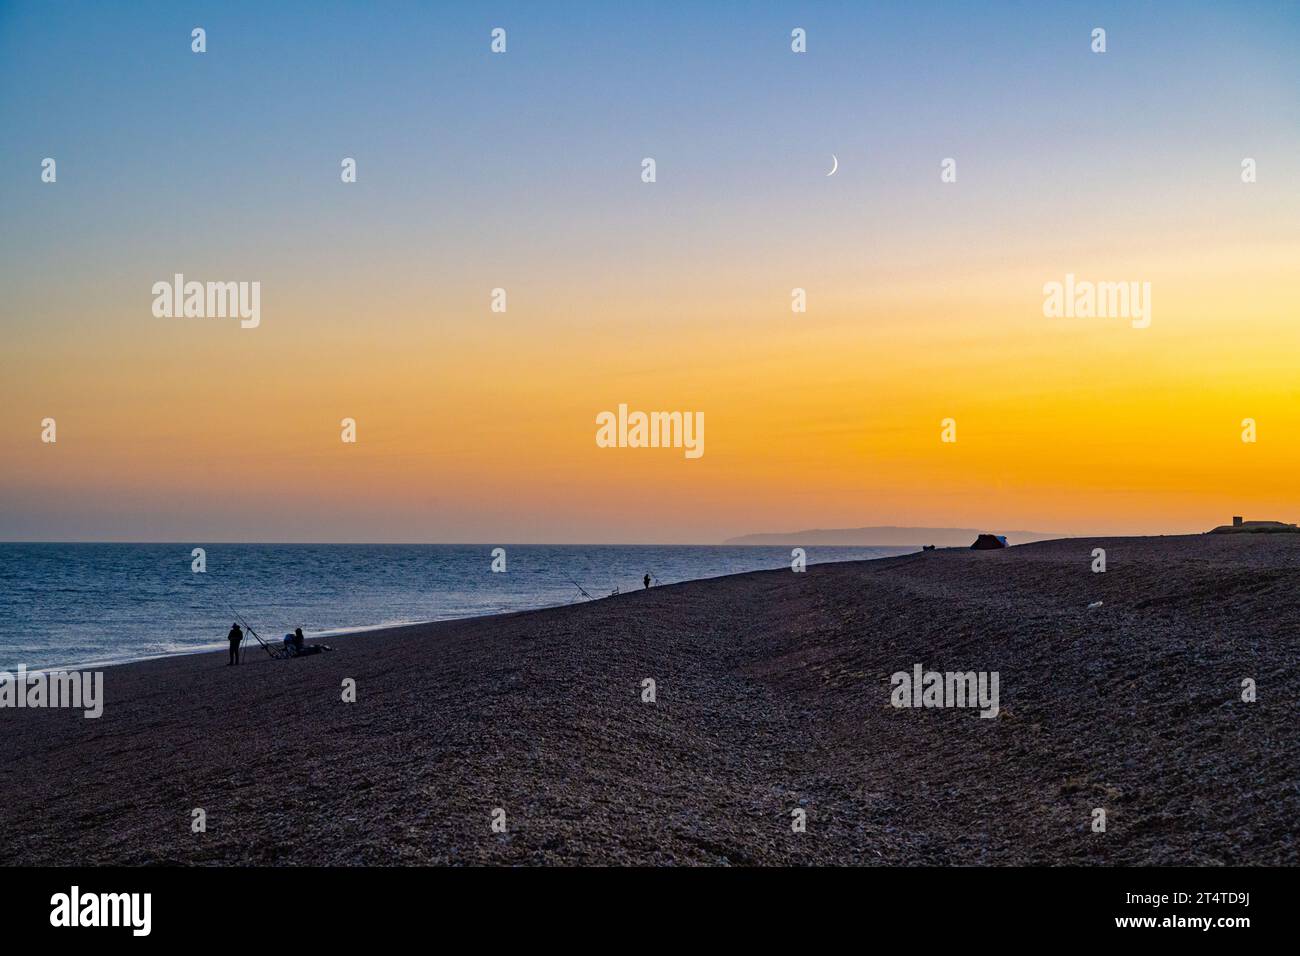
[(835, 167)]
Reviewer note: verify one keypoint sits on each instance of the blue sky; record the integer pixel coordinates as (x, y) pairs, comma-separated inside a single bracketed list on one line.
[(478, 170)]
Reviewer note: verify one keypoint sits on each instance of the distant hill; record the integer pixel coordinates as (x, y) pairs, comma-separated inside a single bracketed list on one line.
[(1255, 527), (889, 535)]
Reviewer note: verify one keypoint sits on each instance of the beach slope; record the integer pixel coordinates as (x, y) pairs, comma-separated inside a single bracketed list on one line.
[(772, 694)]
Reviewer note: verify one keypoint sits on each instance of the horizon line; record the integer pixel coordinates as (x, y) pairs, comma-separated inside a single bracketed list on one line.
[(569, 544)]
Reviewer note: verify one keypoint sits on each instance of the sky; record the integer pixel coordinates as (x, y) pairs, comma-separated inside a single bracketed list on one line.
[(523, 171)]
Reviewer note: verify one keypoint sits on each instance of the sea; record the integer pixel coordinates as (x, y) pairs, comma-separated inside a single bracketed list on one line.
[(84, 605)]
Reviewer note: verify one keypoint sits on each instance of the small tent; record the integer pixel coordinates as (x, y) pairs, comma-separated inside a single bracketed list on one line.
[(987, 542)]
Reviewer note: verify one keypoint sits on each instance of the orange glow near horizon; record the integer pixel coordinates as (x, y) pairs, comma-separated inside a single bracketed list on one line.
[(828, 419)]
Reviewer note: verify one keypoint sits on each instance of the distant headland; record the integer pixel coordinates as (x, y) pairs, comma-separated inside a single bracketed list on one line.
[(1241, 526), (889, 535)]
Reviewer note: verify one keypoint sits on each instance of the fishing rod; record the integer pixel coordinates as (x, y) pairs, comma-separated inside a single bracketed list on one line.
[(249, 629), (579, 587)]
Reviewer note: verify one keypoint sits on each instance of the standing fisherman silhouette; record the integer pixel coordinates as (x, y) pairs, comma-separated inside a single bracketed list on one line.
[(646, 580), (235, 637)]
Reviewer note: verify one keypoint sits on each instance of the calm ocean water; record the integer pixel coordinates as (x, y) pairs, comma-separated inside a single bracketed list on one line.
[(79, 604)]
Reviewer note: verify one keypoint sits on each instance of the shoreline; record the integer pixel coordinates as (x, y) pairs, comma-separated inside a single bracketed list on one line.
[(772, 694), (219, 646)]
